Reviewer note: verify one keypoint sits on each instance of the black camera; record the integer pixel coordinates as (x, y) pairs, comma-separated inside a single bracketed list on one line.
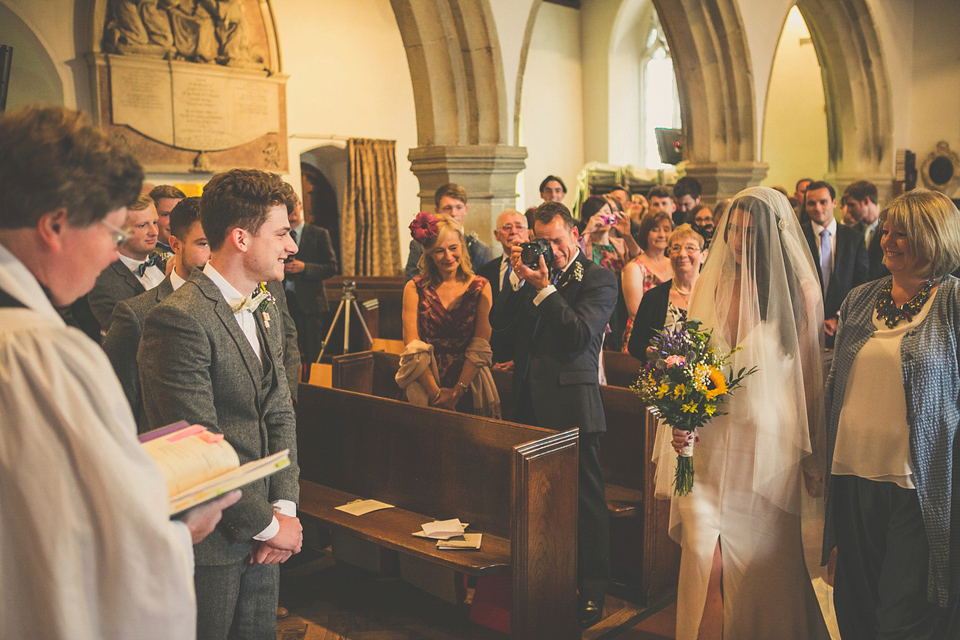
[(530, 253)]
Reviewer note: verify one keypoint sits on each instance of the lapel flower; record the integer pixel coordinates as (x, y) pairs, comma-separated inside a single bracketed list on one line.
[(265, 297), (259, 301), (577, 271), (424, 228)]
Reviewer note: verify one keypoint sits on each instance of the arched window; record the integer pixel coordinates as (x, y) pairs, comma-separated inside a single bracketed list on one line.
[(660, 105)]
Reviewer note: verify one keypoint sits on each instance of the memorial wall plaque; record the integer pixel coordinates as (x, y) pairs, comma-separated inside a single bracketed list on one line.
[(182, 117), (141, 97)]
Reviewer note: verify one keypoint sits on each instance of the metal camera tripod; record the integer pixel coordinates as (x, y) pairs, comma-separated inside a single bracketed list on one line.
[(347, 303)]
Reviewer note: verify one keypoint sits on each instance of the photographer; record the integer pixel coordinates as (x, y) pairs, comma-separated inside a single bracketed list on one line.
[(558, 303)]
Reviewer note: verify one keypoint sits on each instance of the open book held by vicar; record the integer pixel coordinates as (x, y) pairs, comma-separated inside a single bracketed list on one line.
[(200, 465)]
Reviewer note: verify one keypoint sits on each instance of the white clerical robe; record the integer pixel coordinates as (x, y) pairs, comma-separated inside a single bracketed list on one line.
[(87, 550)]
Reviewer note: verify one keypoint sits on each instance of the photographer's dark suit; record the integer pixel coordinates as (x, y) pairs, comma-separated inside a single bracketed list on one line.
[(556, 385), (305, 296)]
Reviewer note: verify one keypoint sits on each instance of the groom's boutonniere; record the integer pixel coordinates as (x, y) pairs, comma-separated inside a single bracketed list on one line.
[(265, 299)]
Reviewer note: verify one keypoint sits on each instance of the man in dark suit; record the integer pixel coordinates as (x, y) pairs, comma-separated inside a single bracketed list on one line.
[(860, 201), (211, 354), (511, 230), (315, 261), (559, 313), (137, 269), (838, 251)]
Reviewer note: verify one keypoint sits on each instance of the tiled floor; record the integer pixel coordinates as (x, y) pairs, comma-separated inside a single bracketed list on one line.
[(330, 601)]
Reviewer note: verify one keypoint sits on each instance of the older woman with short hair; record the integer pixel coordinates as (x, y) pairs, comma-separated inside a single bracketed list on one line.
[(893, 511), (665, 306)]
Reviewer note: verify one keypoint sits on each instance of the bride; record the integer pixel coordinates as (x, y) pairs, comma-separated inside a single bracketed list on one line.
[(743, 570)]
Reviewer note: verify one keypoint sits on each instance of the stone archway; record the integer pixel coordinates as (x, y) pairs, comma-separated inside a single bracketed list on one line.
[(856, 90), (460, 97), (715, 83)]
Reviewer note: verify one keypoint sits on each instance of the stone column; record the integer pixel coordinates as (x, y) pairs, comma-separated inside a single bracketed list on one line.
[(719, 180), (842, 180), (487, 172)]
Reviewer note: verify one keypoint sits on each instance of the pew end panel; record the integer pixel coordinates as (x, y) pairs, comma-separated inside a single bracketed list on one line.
[(544, 537)]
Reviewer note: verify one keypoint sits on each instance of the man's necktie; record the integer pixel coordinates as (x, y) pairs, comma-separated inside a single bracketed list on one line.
[(293, 234), (506, 277), (153, 259), (826, 251)]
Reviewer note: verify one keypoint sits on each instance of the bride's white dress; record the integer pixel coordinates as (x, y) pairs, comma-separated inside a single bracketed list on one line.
[(747, 494)]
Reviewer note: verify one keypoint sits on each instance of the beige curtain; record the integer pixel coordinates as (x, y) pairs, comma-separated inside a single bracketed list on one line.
[(368, 230)]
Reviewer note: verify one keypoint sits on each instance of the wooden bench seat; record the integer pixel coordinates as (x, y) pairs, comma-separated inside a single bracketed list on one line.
[(392, 529)]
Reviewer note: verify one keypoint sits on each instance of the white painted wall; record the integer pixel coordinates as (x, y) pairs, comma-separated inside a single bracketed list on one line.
[(935, 75), (348, 78), (510, 18), (551, 112), (763, 22), (795, 123), (52, 24)]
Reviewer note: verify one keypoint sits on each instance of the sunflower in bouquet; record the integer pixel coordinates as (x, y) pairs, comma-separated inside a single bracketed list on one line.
[(684, 380)]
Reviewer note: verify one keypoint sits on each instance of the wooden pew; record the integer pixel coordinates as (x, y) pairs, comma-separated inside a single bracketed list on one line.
[(514, 483), (643, 557)]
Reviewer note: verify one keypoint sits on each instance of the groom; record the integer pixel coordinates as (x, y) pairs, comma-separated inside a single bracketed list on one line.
[(558, 313), (212, 354)]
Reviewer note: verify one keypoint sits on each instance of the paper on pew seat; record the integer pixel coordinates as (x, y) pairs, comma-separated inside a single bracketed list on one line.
[(443, 529), (421, 534), (470, 541), (361, 507)]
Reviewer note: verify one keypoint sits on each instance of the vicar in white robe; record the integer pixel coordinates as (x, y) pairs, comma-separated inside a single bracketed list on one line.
[(87, 549)]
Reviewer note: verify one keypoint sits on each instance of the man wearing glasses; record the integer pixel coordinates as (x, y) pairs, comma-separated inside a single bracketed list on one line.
[(138, 268), (87, 547)]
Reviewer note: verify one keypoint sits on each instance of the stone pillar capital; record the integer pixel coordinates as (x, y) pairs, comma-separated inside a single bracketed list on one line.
[(719, 180), (487, 172)]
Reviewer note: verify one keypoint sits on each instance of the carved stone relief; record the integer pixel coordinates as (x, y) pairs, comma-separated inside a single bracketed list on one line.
[(204, 31)]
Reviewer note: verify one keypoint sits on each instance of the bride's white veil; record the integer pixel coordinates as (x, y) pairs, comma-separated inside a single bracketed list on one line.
[(759, 290)]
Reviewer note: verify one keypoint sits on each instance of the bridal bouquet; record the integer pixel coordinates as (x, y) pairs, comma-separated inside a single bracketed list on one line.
[(684, 380)]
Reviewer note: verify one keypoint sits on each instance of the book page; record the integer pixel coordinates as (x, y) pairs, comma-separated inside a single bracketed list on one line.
[(470, 541), (234, 479), (191, 455)]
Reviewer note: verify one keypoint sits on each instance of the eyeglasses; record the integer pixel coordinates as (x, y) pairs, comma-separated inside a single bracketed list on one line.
[(118, 235)]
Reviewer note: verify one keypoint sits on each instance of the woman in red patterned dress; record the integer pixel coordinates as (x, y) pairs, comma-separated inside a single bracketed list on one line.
[(446, 326)]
